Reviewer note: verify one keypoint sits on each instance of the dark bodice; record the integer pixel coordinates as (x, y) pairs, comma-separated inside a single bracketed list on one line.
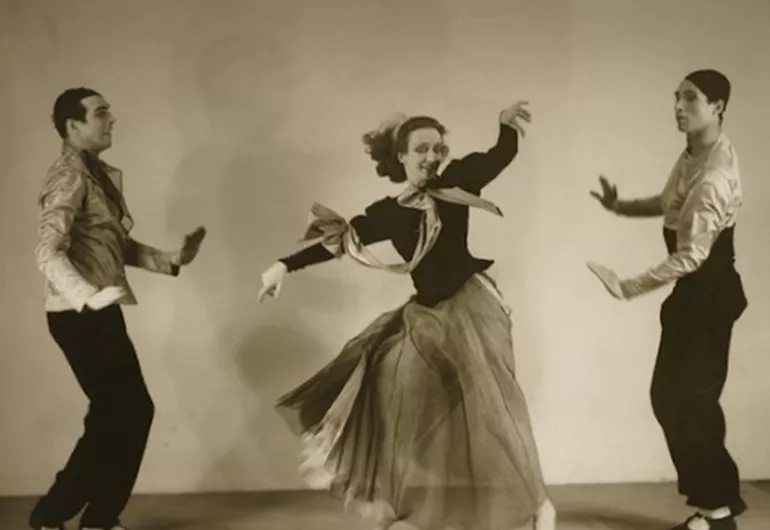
[(449, 263)]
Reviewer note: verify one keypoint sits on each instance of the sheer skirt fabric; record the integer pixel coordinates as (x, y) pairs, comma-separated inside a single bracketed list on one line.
[(419, 418)]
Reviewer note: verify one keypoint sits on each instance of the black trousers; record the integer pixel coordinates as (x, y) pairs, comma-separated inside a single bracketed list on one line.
[(102, 469), (688, 379)]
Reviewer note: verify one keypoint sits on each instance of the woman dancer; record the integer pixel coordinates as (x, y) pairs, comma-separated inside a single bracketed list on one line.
[(699, 204), (419, 420)]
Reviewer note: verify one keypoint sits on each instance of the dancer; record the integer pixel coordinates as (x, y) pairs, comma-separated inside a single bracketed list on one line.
[(419, 421), (83, 247), (699, 205)]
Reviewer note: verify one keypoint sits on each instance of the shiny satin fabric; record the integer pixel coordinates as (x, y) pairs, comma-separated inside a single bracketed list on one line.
[(83, 240), (700, 200), (339, 238)]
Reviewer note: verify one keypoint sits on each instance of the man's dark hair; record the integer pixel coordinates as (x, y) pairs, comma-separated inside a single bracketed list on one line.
[(69, 106)]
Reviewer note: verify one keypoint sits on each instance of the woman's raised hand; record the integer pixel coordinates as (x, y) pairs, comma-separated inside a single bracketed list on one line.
[(511, 116)]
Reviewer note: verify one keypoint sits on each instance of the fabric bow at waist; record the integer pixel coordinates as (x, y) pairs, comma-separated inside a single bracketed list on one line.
[(339, 237)]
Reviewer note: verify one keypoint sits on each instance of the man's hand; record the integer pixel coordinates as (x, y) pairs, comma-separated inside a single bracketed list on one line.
[(107, 296), (609, 279), (609, 195), (190, 247)]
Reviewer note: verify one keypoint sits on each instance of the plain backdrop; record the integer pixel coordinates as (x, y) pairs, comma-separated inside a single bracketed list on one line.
[(240, 114)]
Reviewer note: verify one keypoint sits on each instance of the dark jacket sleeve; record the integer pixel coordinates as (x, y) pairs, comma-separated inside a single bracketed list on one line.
[(474, 171), (372, 226)]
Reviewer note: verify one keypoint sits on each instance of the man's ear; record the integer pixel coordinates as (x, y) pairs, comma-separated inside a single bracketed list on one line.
[(70, 127), (719, 107)]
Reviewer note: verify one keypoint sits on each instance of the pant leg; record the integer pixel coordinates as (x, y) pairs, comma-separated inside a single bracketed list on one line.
[(69, 493), (104, 465), (716, 479), (668, 374), (688, 380), (126, 408)]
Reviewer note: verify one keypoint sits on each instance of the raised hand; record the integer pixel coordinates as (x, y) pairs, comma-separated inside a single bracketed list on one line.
[(609, 195), (191, 246), (272, 281), (107, 296), (511, 115)]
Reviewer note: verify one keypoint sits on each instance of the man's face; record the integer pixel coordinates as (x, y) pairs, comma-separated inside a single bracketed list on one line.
[(692, 109), (95, 132)]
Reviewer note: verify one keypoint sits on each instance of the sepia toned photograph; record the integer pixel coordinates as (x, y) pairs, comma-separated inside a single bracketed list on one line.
[(384, 265)]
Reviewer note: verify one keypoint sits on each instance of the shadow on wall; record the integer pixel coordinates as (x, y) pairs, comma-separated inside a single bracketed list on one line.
[(244, 172), (238, 172)]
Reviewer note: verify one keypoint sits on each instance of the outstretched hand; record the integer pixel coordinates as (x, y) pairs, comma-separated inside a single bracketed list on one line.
[(609, 195), (191, 246), (609, 279), (272, 281), (511, 115)]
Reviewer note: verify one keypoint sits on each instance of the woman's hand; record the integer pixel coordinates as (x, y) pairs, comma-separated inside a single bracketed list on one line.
[(272, 280), (510, 116)]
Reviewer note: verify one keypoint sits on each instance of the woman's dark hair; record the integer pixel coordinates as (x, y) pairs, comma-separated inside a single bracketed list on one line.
[(69, 106), (386, 143), (714, 85)]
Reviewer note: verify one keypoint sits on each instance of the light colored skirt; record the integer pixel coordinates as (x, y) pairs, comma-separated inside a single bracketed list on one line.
[(420, 418)]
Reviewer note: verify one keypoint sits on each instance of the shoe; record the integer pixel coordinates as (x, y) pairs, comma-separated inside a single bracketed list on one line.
[(701, 522), (60, 527)]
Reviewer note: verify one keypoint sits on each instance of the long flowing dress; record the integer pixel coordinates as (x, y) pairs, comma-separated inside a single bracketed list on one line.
[(420, 418)]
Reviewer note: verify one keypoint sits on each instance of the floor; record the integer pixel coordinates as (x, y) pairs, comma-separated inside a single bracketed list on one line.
[(595, 507)]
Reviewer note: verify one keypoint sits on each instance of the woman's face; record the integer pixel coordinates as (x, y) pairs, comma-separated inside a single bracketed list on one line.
[(692, 110), (425, 151)]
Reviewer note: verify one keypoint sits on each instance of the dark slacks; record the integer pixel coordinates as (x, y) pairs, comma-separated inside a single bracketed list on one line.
[(689, 376), (101, 471)]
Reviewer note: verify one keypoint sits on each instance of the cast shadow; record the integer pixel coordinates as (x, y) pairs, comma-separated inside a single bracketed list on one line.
[(608, 518), (249, 184), (268, 362)]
